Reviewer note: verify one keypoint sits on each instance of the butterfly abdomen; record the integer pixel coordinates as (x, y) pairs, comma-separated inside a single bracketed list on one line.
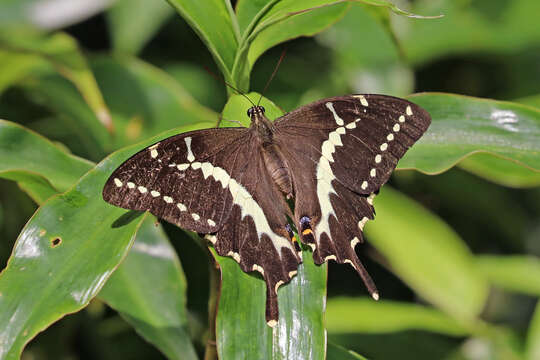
[(277, 168)]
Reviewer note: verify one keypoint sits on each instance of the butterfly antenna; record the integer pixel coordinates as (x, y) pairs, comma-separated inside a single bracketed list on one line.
[(229, 85), (273, 74)]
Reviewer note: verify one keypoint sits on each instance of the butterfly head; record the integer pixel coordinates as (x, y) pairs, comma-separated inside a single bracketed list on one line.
[(255, 111)]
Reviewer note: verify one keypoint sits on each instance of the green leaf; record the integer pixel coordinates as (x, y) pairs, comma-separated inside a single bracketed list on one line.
[(211, 20), (65, 254), (363, 315), (532, 351), (427, 255), (149, 291), (516, 273), (145, 100), (495, 169), (242, 332), (287, 20), (61, 259), (336, 352), (61, 51), (377, 70), (488, 27), (241, 310), (465, 125), (134, 22), (32, 157)]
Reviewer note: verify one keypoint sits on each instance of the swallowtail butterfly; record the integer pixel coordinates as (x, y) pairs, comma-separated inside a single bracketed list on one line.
[(331, 157)]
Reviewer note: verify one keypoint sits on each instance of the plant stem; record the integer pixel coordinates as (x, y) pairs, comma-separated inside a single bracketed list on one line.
[(210, 352)]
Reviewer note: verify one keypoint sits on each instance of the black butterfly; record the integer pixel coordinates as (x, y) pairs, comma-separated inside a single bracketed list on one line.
[(331, 156)]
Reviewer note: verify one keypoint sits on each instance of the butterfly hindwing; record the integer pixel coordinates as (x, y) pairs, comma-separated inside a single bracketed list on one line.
[(349, 147)]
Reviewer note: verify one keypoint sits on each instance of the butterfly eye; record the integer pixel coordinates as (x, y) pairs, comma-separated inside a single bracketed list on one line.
[(261, 108), (249, 111)]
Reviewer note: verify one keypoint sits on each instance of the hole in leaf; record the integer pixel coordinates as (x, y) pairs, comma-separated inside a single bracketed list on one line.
[(55, 242)]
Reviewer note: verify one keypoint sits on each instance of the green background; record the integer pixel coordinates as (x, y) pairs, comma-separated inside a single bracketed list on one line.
[(454, 248)]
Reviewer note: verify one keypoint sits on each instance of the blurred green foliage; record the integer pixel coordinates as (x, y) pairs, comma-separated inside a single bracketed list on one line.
[(456, 256)]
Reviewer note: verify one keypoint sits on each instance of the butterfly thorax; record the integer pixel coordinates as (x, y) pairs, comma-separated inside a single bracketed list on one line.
[(274, 160)]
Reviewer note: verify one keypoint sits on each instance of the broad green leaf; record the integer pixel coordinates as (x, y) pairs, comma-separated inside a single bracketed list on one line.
[(336, 352), (488, 27), (36, 186), (532, 351), (427, 255), (377, 70), (517, 272), (276, 22), (464, 125), (79, 128), (495, 169), (65, 254), (241, 310), (279, 24), (533, 101), (62, 52), (149, 290), (211, 20), (134, 22), (16, 66), (242, 332), (24, 152), (61, 260), (363, 315), (145, 100)]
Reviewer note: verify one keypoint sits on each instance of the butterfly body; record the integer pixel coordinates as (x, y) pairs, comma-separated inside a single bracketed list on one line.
[(332, 156)]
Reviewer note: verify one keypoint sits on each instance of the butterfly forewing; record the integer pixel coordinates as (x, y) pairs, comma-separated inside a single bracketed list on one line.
[(182, 179), (215, 181)]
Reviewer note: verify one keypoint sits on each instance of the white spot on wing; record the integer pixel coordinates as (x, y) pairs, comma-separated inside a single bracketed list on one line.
[(211, 238), (351, 125), (364, 185), (131, 185), (373, 172), (292, 273), (278, 284), (182, 167), (362, 222), (272, 323), (408, 111), (370, 198), (402, 119), (181, 206), (390, 137), (195, 216), (168, 199), (396, 127), (330, 257), (153, 153), (258, 268), (190, 156), (354, 242), (363, 100), (211, 222), (378, 158), (196, 165), (154, 193), (142, 189), (117, 182), (384, 146), (339, 120)]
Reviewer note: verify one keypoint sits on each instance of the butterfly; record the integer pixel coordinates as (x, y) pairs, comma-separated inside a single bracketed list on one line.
[(329, 159)]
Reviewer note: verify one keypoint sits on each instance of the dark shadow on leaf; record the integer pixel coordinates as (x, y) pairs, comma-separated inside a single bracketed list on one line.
[(126, 218)]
